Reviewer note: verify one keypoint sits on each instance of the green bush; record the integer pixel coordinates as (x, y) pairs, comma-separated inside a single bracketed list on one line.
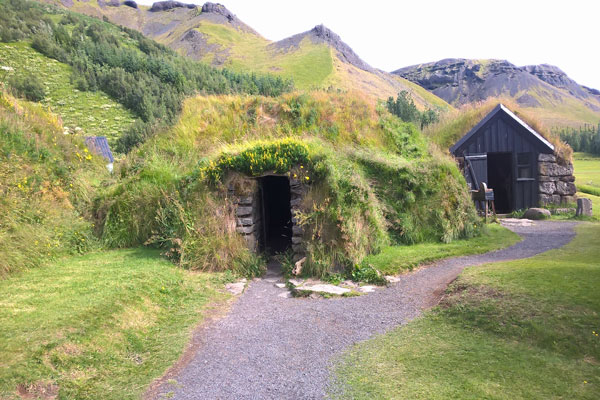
[(595, 191), (29, 87)]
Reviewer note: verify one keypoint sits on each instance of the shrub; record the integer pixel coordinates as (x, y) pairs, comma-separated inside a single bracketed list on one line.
[(29, 87)]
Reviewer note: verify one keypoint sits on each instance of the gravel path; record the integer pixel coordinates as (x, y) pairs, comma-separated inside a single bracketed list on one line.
[(270, 347)]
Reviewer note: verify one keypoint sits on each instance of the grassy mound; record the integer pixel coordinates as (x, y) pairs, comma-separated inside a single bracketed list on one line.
[(46, 181), (372, 181), (456, 124)]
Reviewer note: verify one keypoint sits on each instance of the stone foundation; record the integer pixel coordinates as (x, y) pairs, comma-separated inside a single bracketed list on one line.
[(555, 181)]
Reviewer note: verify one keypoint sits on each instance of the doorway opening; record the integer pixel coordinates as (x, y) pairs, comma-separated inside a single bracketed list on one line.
[(276, 214), (500, 178)]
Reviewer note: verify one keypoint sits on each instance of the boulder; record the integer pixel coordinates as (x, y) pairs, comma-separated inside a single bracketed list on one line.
[(547, 187), (565, 188), (567, 178), (545, 199), (547, 158), (543, 178), (217, 8), (243, 211), (584, 207), (553, 169), (168, 5), (568, 199), (246, 230), (536, 213), (130, 3)]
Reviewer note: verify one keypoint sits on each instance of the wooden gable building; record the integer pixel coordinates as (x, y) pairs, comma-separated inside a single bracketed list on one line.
[(515, 161)]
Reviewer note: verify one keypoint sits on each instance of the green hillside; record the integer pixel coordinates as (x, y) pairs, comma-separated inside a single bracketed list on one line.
[(223, 40), (310, 65), (82, 112), (145, 77)]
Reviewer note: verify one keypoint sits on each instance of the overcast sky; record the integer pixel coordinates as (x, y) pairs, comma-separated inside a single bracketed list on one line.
[(394, 34)]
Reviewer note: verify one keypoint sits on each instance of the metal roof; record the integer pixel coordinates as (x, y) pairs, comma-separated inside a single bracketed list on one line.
[(496, 110), (99, 145)]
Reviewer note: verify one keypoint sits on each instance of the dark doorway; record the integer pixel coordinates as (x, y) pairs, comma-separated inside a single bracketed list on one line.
[(276, 214), (500, 178)]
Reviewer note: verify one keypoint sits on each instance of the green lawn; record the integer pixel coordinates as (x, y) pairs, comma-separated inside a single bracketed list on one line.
[(397, 259), (93, 112), (99, 326), (526, 329), (587, 169)]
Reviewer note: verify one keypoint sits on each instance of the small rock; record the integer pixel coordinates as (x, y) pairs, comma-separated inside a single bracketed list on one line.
[(280, 285), (349, 284), (559, 211), (298, 266), (296, 282), (584, 207), (236, 287), (366, 289), (392, 279), (536, 213)]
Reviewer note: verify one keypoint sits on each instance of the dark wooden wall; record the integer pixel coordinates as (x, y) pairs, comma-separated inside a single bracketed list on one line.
[(502, 134)]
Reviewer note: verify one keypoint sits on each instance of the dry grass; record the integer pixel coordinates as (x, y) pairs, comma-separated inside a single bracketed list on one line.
[(453, 125)]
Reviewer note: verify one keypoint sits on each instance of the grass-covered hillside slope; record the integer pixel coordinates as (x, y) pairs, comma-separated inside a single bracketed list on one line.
[(211, 33), (148, 79), (91, 112), (545, 90), (371, 181), (47, 183)]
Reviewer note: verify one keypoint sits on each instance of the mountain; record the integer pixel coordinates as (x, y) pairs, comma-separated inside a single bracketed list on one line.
[(557, 99), (317, 58)]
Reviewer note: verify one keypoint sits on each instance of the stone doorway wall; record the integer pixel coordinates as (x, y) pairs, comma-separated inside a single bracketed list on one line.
[(250, 214)]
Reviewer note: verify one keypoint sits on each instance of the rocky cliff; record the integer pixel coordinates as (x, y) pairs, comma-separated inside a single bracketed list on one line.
[(460, 81)]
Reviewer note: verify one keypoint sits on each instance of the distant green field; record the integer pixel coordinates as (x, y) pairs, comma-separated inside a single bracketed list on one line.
[(587, 169), (94, 113)]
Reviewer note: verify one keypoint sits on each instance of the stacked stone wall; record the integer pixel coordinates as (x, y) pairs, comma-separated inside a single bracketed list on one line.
[(297, 192), (248, 214), (556, 182)]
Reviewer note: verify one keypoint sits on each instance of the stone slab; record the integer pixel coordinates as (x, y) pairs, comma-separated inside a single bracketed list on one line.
[(326, 288), (516, 222), (236, 287)]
